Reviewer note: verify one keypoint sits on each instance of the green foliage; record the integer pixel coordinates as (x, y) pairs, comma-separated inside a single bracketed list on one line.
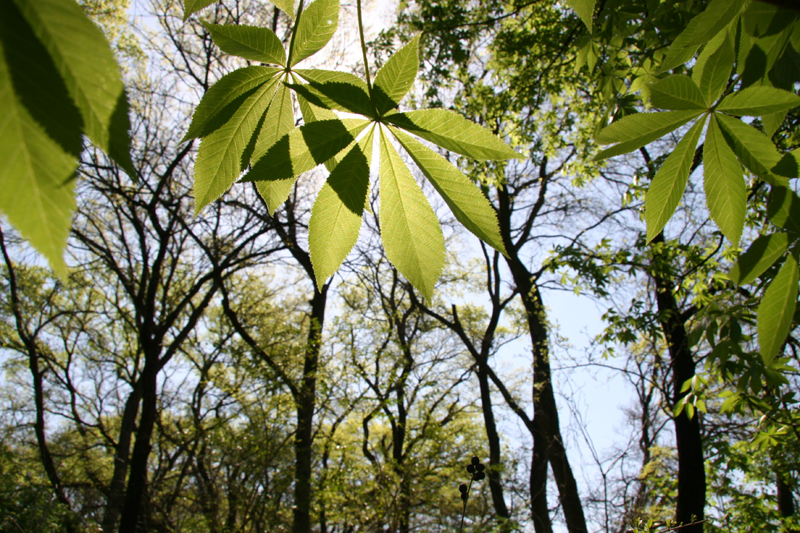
[(58, 80)]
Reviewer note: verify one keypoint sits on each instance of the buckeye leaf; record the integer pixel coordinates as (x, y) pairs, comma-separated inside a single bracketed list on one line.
[(315, 28), (726, 192), (777, 309), (313, 113), (761, 255), (397, 76), (455, 133), (667, 188), (336, 215), (299, 151), (676, 93), (278, 121), (713, 74), (287, 6), (87, 65), (468, 204), (337, 95), (751, 146), (193, 6), (783, 209), (759, 100), (331, 76), (250, 42), (220, 157), (36, 177), (226, 91), (410, 231), (584, 10), (634, 131)]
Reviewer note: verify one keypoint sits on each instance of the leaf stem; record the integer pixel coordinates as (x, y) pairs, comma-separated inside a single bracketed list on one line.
[(294, 34), (363, 47)]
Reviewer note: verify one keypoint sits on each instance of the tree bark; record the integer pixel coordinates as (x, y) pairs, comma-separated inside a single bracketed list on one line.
[(690, 506)]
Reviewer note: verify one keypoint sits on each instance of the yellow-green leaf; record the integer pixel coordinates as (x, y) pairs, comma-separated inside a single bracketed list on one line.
[(777, 309), (676, 92), (250, 42), (634, 131), (397, 76), (316, 27), (726, 192)]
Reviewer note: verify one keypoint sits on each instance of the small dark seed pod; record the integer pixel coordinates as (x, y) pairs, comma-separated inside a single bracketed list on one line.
[(476, 461), (479, 467), (464, 496), (479, 476), (470, 468), (462, 487)]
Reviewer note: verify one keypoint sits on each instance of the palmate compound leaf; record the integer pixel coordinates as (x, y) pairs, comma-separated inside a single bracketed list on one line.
[(250, 42), (756, 101), (410, 230), (395, 78), (86, 63), (36, 177), (468, 204), (220, 157), (336, 215), (761, 255), (228, 91), (726, 192), (677, 93), (316, 27), (455, 133), (299, 151), (339, 96), (666, 190), (634, 131), (777, 309)]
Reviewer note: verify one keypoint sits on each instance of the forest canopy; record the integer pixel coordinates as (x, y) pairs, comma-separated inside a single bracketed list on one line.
[(286, 266)]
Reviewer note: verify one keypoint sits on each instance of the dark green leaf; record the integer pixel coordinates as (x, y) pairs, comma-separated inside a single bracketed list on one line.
[(278, 121), (726, 192), (316, 27), (87, 65), (339, 96), (676, 92), (783, 209), (714, 72), (336, 215), (468, 204), (410, 231), (667, 188), (230, 89), (584, 9), (453, 132), (250, 42), (193, 6), (777, 309), (758, 100), (761, 255), (397, 76), (789, 165), (298, 152), (634, 131)]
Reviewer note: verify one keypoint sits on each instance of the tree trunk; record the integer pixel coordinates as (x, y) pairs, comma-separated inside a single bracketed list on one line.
[(306, 403), (691, 466)]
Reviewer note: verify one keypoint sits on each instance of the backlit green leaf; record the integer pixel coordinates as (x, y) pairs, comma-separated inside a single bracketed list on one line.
[(337, 96), (336, 215), (316, 27), (220, 157), (312, 113), (783, 209), (634, 131), (298, 152), (758, 100), (726, 192), (397, 76), (278, 121), (455, 133), (752, 147), (250, 42), (677, 93), (468, 204), (228, 91), (87, 65), (410, 231), (667, 188), (36, 177), (287, 6), (777, 309), (193, 6), (714, 72), (584, 10), (761, 255)]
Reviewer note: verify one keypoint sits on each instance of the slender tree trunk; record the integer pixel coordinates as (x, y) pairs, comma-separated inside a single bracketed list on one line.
[(306, 403), (137, 481), (116, 489), (538, 483), (691, 465)]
